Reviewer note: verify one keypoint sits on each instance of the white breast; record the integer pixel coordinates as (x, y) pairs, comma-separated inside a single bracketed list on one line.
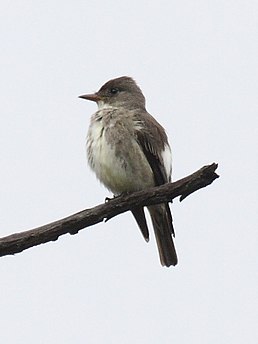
[(98, 155), (103, 161), (120, 172)]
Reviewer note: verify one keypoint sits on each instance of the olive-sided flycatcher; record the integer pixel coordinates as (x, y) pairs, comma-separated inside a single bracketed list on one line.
[(129, 151)]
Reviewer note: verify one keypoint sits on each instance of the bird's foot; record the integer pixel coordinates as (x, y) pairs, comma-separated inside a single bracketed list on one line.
[(107, 199)]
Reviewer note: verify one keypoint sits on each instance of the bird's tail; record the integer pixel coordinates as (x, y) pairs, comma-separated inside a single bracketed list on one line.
[(163, 229), (139, 216)]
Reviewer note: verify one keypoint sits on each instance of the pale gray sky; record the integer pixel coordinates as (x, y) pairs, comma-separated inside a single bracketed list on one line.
[(196, 62)]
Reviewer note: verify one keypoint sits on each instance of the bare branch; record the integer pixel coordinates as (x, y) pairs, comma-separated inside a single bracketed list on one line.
[(72, 224)]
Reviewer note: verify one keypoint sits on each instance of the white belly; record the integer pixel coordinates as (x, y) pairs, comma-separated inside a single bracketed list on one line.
[(123, 170)]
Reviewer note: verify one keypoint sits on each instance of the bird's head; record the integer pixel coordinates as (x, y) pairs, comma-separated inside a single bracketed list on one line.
[(119, 92)]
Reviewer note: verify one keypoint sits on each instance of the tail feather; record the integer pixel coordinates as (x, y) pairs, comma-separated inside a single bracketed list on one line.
[(140, 218), (163, 229)]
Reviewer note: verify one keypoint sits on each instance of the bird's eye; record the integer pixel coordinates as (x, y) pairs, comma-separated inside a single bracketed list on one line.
[(114, 90)]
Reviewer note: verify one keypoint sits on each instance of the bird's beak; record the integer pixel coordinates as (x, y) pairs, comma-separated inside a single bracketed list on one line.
[(93, 97)]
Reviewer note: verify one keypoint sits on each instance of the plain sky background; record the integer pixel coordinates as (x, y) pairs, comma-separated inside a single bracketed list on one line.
[(196, 62)]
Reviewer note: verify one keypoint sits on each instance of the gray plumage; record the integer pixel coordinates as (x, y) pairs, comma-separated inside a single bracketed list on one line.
[(129, 151)]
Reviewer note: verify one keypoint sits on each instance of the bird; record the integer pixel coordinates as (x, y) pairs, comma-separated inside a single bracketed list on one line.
[(129, 151)]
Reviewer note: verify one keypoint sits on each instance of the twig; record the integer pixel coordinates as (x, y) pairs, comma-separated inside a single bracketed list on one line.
[(72, 224)]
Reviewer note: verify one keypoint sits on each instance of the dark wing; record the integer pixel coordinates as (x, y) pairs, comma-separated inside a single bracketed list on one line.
[(152, 139)]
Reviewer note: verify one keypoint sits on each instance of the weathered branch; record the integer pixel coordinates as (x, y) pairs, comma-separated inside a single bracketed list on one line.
[(72, 224)]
